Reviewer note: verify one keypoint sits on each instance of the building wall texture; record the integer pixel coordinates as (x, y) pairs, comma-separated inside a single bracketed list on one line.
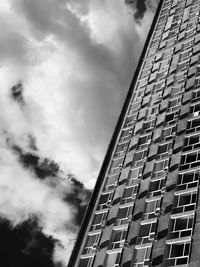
[(145, 208)]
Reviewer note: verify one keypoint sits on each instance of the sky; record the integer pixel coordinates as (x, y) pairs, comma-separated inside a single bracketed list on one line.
[(66, 66)]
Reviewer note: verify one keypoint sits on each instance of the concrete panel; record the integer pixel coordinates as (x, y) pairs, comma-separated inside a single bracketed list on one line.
[(178, 144), (164, 105), (181, 127), (138, 126), (190, 83), (185, 111), (148, 169), (157, 134), (160, 119), (187, 97), (167, 91), (175, 161), (133, 142), (142, 113), (99, 259), (105, 238), (153, 150), (146, 100), (124, 173)]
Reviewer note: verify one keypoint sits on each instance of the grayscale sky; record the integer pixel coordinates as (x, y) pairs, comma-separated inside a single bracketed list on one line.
[(74, 61)]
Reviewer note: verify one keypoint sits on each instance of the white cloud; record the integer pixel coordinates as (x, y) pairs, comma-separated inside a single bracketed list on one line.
[(75, 62), (23, 196)]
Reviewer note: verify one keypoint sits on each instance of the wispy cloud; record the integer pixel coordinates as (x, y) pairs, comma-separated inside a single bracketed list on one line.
[(74, 61)]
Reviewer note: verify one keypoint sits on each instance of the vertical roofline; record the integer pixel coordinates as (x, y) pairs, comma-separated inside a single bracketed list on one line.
[(108, 156)]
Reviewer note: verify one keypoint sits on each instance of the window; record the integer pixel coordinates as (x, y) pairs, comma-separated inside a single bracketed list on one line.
[(174, 104), (148, 125), (187, 180), (168, 133), (121, 149), (134, 175), (112, 259), (197, 72), (125, 134), (144, 140), (152, 111), (147, 232), (171, 117), (91, 243), (124, 215), (177, 91), (190, 160), (164, 150), (137, 95), (105, 200), (143, 82), (165, 63), (111, 182), (159, 86), (86, 262), (193, 126), (184, 55), (184, 202), (129, 194), (161, 75), (180, 77), (118, 238), (134, 107), (145, 73), (191, 142), (189, 43), (98, 221), (189, 33), (195, 110), (177, 254), (197, 81), (155, 99), (116, 165), (142, 256), (129, 121), (172, 40), (152, 209), (159, 168), (181, 227), (182, 66), (139, 157), (156, 188)]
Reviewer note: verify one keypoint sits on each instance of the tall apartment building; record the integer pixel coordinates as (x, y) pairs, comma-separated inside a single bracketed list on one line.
[(145, 208)]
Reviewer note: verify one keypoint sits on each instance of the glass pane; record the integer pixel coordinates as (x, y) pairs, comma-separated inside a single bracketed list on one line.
[(181, 223), (177, 250)]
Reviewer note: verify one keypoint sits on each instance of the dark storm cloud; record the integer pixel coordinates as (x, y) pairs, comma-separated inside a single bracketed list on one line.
[(43, 168), (16, 93), (26, 242), (141, 8), (25, 245), (78, 196)]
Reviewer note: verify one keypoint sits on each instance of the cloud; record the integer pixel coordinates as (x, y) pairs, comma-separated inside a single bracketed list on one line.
[(74, 71), (23, 196), (63, 80)]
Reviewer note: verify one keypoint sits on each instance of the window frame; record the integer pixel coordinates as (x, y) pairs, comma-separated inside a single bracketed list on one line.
[(97, 226), (119, 243)]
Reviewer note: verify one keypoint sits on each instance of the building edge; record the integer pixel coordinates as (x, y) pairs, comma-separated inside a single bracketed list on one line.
[(111, 145)]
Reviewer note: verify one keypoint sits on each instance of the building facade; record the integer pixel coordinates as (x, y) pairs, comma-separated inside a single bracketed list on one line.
[(145, 208)]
